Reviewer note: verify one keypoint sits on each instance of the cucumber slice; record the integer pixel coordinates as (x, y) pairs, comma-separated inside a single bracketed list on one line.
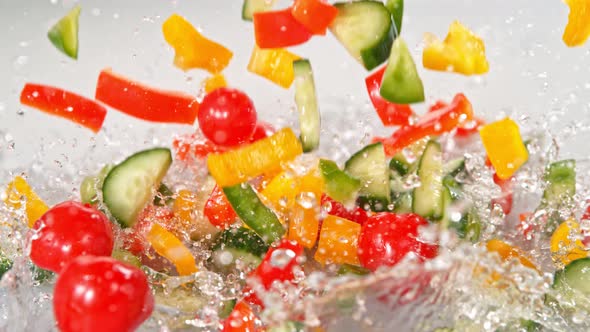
[(339, 184), (365, 29), (253, 212), (64, 34), (403, 203), (242, 239), (370, 167), (92, 184), (428, 197), (254, 6), (401, 83), (454, 187), (405, 160), (561, 182), (573, 284), (163, 196), (126, 257), (5, 264), (130, 185), (401, 166), (447, 200), (307, 105), (396, 8), (352, 269), (454, 167)]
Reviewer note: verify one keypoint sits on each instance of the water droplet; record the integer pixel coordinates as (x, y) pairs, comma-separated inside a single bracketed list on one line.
[(281, 257)]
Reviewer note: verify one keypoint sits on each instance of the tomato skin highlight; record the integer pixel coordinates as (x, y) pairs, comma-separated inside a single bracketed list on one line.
[(68, 230), (227, 117), (95, 294)]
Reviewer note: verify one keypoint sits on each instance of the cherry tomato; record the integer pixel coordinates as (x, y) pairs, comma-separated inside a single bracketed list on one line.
[(337, 209), (241, 319), (101, 294), (227, 117), (261, 131), (68, 230), (218, 209), (386, 238)]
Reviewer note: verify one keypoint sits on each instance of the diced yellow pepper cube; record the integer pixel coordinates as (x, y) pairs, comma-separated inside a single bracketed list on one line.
[(169, 246), (338, 241), (504, 147), (34, 206), (562, 248), (577, 29), (273, 64), (214, 82)]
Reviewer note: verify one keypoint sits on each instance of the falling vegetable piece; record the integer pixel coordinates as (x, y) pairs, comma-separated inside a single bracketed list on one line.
[(338, 242), (144, 102), (508, 252), (263, 156), (276, 29), (64, 104), (214, 82), (192, 49), (191, 146), (242, 318), (340, 185), (461, 52), (64, 34), (307, 105), (169, 246), (504, 147), (563, 249), (577, 29), (396, 8), (250, 7), (401, 83), (390, 114), (218, 209), (18, 189), (275, 65), (315, 15), (560, 177)]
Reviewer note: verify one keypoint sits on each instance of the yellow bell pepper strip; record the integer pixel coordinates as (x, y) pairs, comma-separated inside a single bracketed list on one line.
[(192, 49), (338, 241), (275, 65), (34, 206), (504, 147), (562, 248), (577, 29), (461, 52), (214, 82), (508, 252), (248, 161), (169, 246)]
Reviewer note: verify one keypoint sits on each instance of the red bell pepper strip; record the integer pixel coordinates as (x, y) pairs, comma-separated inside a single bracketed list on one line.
[(218, 209), (241, 319), (433, 123), (337, 209), (315, 15), (193, 145), (65, 104), (391, 114), (466, 129), (143, 102), (277, 29), (505, 200)]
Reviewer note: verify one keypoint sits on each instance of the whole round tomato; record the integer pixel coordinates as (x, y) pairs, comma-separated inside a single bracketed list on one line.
[(68, 230), (227, 117), (386, 238), (101, 294)]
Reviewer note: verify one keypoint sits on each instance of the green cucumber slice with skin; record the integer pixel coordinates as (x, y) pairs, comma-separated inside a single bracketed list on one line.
[(447, 200), (339, 185), (402, 167), (64, 34), (404, 161), (254, 213), (573, 284), (561, 182), (352, 269), (370, 167), (366, 30), (401, 83), (242, 239), (403, 203), (126, 257), (454, 187), (307, 105), (454, 167), (396, 8), (130, 185), (5, 264), (254, 6), (163, 196), (428, 197), (92, 184)]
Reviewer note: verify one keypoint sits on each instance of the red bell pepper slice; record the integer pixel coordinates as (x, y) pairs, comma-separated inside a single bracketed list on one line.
[(315, 15), (218, 209), (278, 29), (241, 319), (143, 102), (466, 129), (505, 200), (433, 123), (65, 104), (391, 114), (194, 145), (338, 209)]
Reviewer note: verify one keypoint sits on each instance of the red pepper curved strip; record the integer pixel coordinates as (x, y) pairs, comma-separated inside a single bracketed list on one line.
[(277, 29), (65, 104), (144, 102), (433, 123), (391, 114)]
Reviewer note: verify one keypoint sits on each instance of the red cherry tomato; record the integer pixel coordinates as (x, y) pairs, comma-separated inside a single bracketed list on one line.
[(386, 238), (101, 294), (261, 131), (241, 319), (218, 209), (68, 230), (227, 117)]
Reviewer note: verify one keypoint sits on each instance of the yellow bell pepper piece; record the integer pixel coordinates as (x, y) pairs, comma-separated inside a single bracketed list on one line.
[(338, 241), (263, 156), (192, 49), (169, 246), (508, 252), (34, 206), (562, 248), (577, 29), (273, 64), (214, 82), (462, 52), (504, 147)]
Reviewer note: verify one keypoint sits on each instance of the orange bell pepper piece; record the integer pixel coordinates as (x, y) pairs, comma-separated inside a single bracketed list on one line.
[(273, 64), (34, 205), (508, 252), (562, 248), (504, 147), (577, 29), (338, 241), (169, 246)]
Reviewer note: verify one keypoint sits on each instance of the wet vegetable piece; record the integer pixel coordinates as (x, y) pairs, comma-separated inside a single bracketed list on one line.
[(401, 83), (19, 192), (227, 117), (254, 6), (144, 102), (315, 15), (168, 245), (194, 146), (241, 319), (65, 104), (192, 49), (391, 114), (572, 284), (214, 82), (277, 29), (335, 208), (218, 209), (504, 147), (92, 288), (339, 184), (577, 29), (396, 8), (566, 244), (462, 52), (275, 65), (338, 242), (307, 105), (507, 252), (69, 230), (64, 34)]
